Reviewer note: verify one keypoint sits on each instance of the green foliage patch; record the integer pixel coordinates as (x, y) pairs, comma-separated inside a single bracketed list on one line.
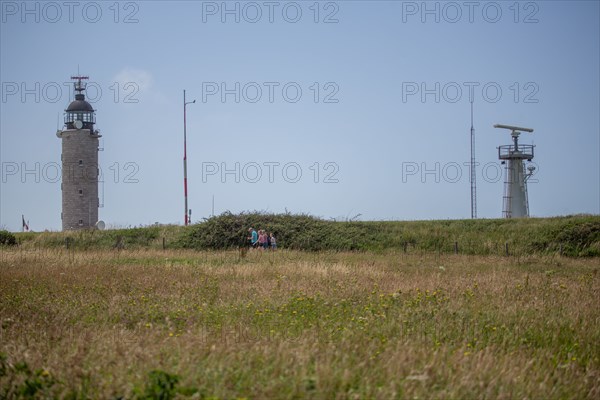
[(574, 236), (7, 239)]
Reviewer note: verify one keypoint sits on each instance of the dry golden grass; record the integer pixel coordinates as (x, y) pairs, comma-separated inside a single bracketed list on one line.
[(292, 324)]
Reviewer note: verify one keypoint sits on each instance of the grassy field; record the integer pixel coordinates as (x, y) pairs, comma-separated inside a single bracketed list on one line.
[(152, 323)]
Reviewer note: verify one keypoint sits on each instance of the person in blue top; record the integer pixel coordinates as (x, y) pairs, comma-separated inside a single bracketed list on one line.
[(253, 237)]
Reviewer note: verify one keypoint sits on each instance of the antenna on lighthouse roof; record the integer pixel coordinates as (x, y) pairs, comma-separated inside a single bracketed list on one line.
[(79, 86)]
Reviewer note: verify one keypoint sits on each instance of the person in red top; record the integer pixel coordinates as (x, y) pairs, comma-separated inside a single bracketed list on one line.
[(262, 239)]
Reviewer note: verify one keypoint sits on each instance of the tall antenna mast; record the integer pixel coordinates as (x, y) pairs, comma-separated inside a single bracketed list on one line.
[(473, 172)]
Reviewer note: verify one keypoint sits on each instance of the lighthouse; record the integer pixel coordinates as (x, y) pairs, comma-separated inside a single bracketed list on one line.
[(79, 161), (515, 202)]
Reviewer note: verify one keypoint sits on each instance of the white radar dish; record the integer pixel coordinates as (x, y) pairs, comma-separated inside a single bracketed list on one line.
[(100, 225), (78, 124)]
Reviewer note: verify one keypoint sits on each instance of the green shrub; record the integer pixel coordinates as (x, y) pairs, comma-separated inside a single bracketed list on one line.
[(7, 239), (160, 386), (19, 381), (301, 232), (580, 239)]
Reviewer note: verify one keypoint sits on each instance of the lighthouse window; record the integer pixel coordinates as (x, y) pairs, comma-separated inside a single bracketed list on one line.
[(81, 192), (80, 222), (81, 163)]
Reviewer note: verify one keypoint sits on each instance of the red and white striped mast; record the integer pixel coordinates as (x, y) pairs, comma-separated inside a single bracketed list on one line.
[(185, 191)]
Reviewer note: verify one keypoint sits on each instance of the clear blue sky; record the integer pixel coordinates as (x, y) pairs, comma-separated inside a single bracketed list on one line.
[(386, 148)]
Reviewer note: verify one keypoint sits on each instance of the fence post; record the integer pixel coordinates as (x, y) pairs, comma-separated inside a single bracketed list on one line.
[(506, 249), (455, 247), (163, 242), (560, 249)]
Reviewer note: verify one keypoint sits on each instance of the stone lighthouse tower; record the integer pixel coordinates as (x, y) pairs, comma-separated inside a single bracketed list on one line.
[(79, 158)]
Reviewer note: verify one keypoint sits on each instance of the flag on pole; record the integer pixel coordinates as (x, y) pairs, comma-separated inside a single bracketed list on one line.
[(25, 224)]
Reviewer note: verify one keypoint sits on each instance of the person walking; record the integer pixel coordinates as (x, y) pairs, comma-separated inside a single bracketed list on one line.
[(262, 239), (253, 238), (273, 242)]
